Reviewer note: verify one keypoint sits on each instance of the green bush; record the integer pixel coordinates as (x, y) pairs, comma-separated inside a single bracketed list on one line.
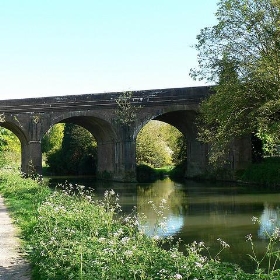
[(77, 154), (179, 171), (266, 172), (147, 174)]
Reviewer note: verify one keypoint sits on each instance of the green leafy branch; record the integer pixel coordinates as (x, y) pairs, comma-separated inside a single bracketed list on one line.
[(126, 111)]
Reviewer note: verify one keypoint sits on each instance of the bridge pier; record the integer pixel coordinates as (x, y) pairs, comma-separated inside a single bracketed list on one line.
[(242, 153), (116, 156), (31, 158), (105, 160), (197, 158), (125, 154), (125, 162)]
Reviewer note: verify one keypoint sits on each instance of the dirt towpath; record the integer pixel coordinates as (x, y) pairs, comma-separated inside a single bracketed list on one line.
[(12, 264)]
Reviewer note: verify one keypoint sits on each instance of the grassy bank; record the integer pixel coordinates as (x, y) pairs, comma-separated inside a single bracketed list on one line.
[(69, 235), (265, 173)]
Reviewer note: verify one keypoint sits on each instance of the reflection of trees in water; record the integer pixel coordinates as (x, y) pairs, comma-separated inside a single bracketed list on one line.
[(269, 220), (174, 210)]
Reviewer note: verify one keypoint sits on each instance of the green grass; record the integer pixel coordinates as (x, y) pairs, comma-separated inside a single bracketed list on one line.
[(69, 235)]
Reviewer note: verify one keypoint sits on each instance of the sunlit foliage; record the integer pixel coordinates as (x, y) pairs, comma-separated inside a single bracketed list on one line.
[(158, 144), (241, 55), (53, 139), (10, 148), (126, 111)]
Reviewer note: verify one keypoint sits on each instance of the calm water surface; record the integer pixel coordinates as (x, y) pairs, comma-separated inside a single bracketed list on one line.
[(201, 211)]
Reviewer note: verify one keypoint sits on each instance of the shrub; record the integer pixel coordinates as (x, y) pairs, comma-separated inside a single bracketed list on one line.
[(266, 172), (145, 173)]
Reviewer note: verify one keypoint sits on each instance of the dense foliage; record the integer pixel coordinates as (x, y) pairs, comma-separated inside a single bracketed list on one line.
[(9, 148), (77, 154), (159, 144), (241, 55), (52, 141), (265, 173)]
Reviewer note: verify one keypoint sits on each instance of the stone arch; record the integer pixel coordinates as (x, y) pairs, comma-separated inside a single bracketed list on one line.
[(24, 142), (103, 132), (172, 114), (184, 120), (17, 130), (99, 126)]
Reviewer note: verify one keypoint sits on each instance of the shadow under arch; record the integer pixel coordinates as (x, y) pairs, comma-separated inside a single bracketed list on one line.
[(184, 121), (105, 137)]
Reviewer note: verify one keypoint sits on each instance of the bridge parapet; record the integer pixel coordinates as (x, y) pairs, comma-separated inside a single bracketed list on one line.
[(191, 95)]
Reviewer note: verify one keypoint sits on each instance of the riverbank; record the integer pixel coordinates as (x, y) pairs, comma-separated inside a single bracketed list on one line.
[(69, 235), (13, 265), (265, 173)]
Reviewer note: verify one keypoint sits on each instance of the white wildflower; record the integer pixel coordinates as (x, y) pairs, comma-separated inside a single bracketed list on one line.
[(223, 243)]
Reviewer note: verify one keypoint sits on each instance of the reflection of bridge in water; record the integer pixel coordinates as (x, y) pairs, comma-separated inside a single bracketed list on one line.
[(31, 118)]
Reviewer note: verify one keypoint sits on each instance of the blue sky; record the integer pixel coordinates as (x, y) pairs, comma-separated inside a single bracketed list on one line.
[(59, 47)]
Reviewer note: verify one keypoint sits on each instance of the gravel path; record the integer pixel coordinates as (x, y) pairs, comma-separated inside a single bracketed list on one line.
[(12, 264)]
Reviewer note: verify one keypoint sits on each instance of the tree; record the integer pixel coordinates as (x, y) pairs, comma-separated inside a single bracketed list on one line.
[(241, 56), (78, 152), (126, 111), (157, 144), (53, 138), (179, 155), (9, 147)]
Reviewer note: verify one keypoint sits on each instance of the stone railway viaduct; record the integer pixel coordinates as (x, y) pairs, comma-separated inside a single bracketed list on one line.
[(31, 118)]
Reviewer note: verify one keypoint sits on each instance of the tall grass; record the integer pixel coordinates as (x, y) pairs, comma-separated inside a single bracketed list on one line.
[(70, 235)]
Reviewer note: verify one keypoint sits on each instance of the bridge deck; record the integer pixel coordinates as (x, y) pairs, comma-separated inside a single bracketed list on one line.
[(189, 95)]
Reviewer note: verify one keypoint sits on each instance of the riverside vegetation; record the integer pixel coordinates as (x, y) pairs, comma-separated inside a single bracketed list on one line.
[(68, 234)]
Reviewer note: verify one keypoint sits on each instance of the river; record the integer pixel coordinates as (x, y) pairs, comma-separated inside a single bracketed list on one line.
[(200, 211)]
